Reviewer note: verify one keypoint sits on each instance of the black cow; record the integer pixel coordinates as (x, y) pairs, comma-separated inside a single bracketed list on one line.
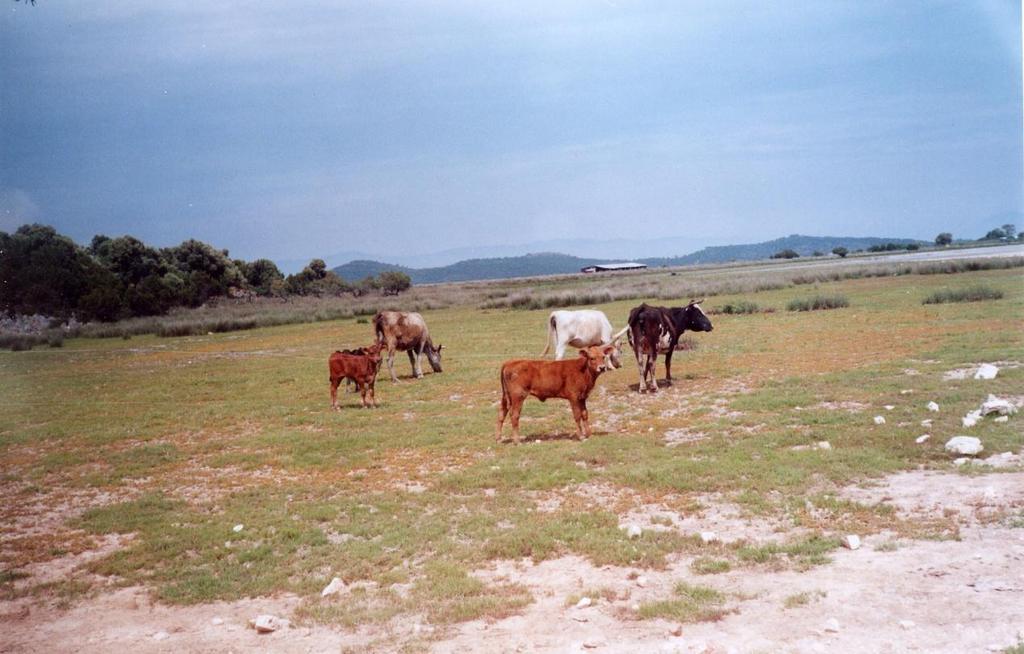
[(651, 327)]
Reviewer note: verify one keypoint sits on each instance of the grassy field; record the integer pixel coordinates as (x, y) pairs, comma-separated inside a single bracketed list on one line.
[(174, 441)]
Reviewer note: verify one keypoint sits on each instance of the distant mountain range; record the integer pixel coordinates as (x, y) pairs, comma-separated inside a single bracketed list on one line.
[(553, 263)]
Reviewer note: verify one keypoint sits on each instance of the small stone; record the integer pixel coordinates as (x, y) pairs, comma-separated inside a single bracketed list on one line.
[(592, 644), (266, 623), (237, 528), (634, 531), (997, 405), (889, 407), (922, 438), (336, 585), (905, 391), (641, 581), (986, 371), (832, 625), (824, 445), (634, 607), (161, 635), (677, 631), (961, 461), (907, 624), (1001, 419), (971, 418), (932, 406), (851, 541), (926, 423), (584, 602), (879, 420), (216, 622), (581, 618), (708, 537), (964, 445)]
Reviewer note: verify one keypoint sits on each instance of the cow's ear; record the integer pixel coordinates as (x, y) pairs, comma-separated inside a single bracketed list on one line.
[(584, 354), (608, 349), (439, 346)]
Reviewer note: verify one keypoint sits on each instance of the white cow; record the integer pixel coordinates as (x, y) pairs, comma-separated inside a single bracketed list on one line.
[(578, 329)]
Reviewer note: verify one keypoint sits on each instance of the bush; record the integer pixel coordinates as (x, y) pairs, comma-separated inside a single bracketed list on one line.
[(840, 252), (818, 303), (785, 254), (972, 294), (743, 306)]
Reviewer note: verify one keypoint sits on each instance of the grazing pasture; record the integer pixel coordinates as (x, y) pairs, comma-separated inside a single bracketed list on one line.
[(127, 464)]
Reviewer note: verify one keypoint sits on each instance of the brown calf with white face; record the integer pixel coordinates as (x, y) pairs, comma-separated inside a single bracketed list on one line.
[(360, 368), (571, 379)]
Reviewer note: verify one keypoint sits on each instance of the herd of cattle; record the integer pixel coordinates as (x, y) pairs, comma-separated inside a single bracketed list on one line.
[(650, 331)]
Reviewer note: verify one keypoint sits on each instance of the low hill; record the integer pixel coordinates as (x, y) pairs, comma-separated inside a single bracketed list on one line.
[(802, 245), (553, 263)]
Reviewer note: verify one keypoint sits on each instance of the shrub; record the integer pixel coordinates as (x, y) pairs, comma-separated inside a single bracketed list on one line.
[(840, 252), (743, 306), (819, 302), (972, 294), (785, 254)]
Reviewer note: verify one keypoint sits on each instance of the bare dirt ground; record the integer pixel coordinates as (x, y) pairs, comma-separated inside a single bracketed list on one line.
[(888, 596)]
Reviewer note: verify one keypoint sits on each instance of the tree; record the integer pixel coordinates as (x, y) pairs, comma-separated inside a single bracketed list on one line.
[(943, 239), (393, 282), (261, 275), (785, 254), (1010, 230), (841, 252), (818, 253), (364, 286), (993, 235)]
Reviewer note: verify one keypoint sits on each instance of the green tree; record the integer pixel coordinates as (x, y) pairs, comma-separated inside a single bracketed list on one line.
[(393, 282), (261, 275), (840, 252), (943, 239), (1010, 230), (785, 254)]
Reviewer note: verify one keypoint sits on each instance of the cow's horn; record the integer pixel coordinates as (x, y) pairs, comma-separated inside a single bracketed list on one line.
[(619, 334)]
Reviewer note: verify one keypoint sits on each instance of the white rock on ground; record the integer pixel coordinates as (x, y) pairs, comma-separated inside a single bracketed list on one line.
[(161, 635), (336, 585), (922, 438), (986, 371), (890, 407), (708, 537), (266, 623), (832, 625), (932, 406), (641, 581), (216, 622), (997, 405), (926, 423), (1001, 419), (851, 541), (634, 531), (964, 445), (823, 445), (907, 624), (879, 420), (971, 418), (584, 602), (237, 528)]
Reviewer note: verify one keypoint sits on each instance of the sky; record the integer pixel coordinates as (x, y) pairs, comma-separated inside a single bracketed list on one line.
[(293, 130)]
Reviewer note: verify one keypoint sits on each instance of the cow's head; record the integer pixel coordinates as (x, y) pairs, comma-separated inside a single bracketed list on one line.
[(697, 319), (373, 351), (601, 357), (433, 356)]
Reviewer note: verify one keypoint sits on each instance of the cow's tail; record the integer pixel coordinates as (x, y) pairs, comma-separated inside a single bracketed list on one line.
[(504, 391), (378, 326), (552, 335)]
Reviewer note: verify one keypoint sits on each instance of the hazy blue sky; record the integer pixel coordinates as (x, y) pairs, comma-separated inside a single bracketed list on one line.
[(293, 129)]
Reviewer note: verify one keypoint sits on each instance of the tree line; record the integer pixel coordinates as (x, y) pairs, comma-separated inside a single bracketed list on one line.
[(44, 272)]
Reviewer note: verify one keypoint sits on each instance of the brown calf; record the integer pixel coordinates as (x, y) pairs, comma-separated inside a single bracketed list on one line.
[(360, 368), (571, 379)]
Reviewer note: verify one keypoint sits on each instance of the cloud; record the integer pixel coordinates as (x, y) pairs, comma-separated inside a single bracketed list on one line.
[(16, 209)]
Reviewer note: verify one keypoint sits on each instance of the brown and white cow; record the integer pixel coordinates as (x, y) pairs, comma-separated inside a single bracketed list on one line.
[(360, 368), (658, 328), (571, 379), (400, 330)]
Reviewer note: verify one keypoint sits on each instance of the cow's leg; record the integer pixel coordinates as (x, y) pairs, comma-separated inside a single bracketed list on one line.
[(585, 414), (577, 416), (649, 373), (334, 393), (668, 359), (502, 412), (362, 393), (373, 393), (391, 365), (560, 350), (515, 410)]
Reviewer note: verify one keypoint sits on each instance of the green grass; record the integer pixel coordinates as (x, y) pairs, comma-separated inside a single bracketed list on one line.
[(688, 603), (179, 439), (818, 303), (802, 599), (971, 294)]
